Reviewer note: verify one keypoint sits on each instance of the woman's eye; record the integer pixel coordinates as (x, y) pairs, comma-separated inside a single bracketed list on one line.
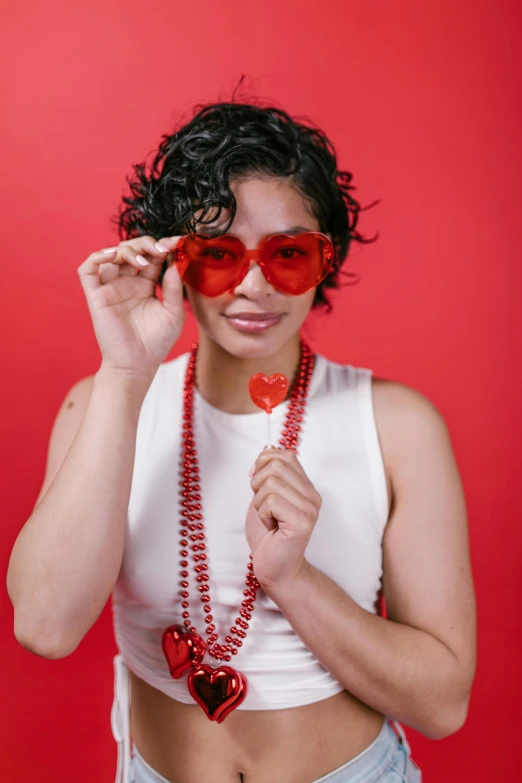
[(290, 253), (215, 253)]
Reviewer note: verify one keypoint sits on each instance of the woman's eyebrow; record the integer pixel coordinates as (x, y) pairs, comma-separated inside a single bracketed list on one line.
[(295, 230)]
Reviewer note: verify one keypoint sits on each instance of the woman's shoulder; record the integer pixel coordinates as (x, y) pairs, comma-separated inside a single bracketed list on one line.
[(391, 396), (402, 405), (407, 422)]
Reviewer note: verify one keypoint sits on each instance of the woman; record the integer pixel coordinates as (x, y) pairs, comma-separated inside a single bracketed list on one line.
[(360, 495)]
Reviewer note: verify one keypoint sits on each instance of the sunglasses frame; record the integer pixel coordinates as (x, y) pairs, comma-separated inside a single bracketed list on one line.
[(180, 257)]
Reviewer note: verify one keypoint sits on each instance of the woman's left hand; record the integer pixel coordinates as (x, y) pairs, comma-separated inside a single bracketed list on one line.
[(281, 517)]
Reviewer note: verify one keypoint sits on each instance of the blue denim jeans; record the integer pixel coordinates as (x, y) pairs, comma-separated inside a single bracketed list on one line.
[(386, 760)]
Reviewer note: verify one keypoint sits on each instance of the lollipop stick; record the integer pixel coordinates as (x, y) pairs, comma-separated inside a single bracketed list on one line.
[(268, 431)]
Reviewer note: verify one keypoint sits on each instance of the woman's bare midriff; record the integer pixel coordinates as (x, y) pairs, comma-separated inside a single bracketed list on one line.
[(296, 745)]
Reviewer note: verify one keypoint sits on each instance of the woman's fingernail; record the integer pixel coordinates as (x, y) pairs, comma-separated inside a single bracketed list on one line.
[(252, 471), (108, 250), (142, 261), (161, 247)]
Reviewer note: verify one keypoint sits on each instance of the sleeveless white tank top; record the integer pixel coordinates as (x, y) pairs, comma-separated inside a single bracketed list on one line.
[(340, 452)]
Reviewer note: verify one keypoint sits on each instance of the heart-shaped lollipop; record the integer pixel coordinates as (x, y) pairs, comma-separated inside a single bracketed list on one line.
[(267, 391)]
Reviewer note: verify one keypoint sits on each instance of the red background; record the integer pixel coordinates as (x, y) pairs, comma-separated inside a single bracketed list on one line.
[(422, 100)]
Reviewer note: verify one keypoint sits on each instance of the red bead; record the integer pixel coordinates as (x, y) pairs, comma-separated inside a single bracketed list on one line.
[(185, 614), (184, 594), (185, 604)]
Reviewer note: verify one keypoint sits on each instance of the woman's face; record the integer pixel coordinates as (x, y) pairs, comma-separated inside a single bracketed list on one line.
[(255, 319)]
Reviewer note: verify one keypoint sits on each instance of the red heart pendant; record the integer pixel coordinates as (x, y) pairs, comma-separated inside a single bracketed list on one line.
[(218, 691), (182, 649), (267, 391)]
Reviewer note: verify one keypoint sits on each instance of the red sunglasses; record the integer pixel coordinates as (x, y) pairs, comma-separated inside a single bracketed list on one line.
[(292, 265)]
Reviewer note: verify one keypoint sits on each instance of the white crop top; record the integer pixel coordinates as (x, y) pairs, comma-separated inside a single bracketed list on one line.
[(340, 452)]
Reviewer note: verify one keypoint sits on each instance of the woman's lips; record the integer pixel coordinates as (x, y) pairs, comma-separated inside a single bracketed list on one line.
[(254, 322)]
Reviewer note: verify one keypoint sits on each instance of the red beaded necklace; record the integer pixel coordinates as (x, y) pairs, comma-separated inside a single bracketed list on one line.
[(217, 690)]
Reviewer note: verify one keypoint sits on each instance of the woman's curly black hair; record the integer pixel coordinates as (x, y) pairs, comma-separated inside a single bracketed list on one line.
[(225, 140)]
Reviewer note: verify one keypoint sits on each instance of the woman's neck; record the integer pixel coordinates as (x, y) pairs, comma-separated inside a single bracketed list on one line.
[(222, 379)]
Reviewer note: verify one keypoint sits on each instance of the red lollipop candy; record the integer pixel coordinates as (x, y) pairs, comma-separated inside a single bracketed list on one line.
[(267, 391)]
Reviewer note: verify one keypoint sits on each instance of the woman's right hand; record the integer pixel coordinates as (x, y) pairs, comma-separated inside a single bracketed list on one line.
[(135, 330)]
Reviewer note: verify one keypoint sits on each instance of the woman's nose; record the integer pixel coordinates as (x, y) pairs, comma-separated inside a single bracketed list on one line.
[(254, 283)]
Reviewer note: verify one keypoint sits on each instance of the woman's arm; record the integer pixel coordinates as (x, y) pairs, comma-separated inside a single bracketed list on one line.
[(67, 556), (417, 665)]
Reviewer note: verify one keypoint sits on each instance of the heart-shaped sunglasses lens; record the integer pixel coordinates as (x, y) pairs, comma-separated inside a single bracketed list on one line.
[(211, 266), (295, 265)]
